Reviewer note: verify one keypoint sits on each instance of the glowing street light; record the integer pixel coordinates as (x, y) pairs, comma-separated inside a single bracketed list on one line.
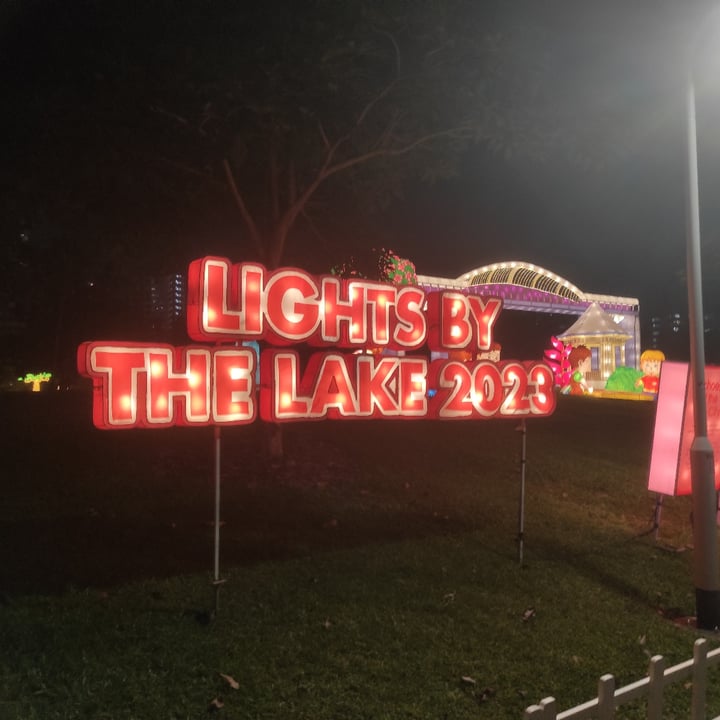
[(706, 571)]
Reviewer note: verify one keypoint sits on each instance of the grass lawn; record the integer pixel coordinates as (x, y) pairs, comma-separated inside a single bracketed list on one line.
[(375, 575)]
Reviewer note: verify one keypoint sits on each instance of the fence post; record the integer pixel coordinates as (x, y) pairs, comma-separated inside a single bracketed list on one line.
[(606, 697), (549, 707), (533, 711), (656, 673), (699, 679), (658, 677), (546, 710)]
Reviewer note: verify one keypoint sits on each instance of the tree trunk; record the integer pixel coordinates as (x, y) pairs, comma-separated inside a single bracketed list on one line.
[(275, 449)]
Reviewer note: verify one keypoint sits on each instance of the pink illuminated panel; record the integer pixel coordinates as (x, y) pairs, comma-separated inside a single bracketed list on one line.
[(668, 428), (674, 428), (712, 399)]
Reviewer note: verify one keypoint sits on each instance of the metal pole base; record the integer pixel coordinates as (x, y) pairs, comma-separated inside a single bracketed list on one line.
[(707, 605), (705, 560)]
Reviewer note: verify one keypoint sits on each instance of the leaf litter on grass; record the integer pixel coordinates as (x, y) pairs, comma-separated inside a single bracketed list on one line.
[(416, 585)]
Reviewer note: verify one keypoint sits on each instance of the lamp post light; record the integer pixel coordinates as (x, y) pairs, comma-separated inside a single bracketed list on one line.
[(706, 570)]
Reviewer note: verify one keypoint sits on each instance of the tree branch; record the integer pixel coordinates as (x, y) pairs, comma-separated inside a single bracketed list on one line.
[(244, 212), (372, 103), (333, 148), (323, 240), (461, 132), (273, 179), (292, 183), (324, 137), (396, 47), (191, 170), (387, 133), (328, 169), (174, 116)]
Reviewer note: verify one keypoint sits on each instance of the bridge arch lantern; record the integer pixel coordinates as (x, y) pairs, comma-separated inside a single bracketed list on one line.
[(531, 288)]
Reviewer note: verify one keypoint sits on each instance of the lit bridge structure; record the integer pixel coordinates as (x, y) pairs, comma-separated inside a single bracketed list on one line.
[(528, 287)]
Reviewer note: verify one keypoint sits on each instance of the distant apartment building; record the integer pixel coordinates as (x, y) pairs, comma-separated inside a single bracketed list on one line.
[(163, 305), (670, 333)]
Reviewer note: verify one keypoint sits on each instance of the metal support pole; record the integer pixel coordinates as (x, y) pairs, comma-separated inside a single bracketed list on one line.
[(217, 582), (702, 463), (521, 508), (657, 515)]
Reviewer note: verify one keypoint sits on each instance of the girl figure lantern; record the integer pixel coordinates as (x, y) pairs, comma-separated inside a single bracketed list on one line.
[(580, 360)]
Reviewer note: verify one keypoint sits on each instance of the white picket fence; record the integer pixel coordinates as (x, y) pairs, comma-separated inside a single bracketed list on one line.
[(659, 677)]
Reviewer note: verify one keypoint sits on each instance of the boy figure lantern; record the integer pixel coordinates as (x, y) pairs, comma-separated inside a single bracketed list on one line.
[(650, 363), (580, 360)]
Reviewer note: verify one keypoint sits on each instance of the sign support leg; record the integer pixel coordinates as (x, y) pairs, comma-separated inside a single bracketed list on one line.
[(521, 508), (217, 582), (657, 515)]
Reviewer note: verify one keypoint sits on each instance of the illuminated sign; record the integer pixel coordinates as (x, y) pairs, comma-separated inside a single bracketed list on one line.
[(35, 379), (149, 386), (674, 428)]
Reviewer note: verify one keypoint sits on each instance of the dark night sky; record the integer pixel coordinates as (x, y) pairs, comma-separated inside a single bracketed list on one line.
[(615, 229), (618, 228)]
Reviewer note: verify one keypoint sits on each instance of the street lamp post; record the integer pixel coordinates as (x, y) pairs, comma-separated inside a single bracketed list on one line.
[(706, 571)]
